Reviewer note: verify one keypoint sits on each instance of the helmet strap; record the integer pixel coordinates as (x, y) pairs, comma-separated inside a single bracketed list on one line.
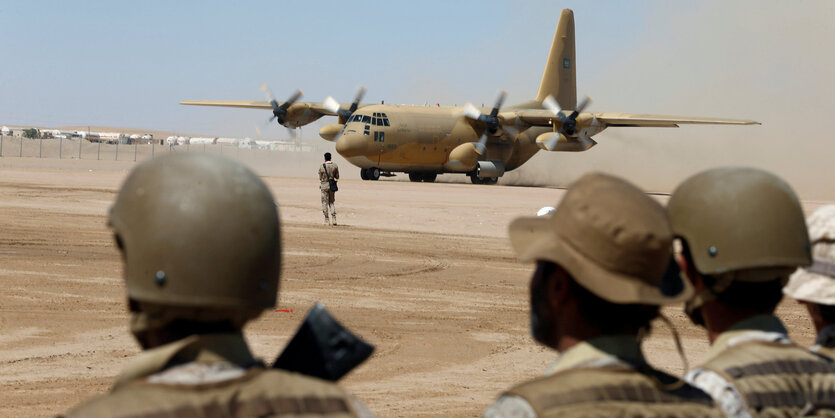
[(692, 306), (679, 383)]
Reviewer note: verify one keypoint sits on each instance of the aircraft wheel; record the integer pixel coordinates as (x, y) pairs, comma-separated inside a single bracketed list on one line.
[(373, 173), (364, 173), (430, 177), (415, 177), (490, 180), (476, 180)]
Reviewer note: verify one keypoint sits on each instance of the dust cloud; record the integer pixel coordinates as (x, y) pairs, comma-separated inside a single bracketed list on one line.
[(754, 60)]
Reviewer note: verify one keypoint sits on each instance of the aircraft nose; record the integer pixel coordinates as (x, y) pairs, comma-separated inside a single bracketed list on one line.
[(350, 145)]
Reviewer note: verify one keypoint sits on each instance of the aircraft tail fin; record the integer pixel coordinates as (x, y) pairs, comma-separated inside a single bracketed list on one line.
[(560, 76)]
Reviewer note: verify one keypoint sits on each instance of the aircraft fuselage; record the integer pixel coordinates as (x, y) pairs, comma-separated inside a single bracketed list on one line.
[(421, 138)]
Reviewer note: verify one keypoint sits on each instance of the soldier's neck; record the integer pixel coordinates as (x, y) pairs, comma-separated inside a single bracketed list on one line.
[(565, 343), (719, 317)]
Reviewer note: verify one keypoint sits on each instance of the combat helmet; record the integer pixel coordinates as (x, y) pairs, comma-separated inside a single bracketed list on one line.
[(739, 224), (200, 239)]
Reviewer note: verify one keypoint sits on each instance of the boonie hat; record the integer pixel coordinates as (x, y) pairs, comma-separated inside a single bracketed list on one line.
[(816, 283), (612, 238)]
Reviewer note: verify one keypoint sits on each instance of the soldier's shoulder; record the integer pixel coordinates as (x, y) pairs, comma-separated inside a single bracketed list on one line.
[(291, 391), (294, 383), (107, 405), (610, 384)]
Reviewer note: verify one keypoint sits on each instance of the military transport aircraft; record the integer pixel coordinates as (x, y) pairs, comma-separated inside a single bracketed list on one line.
[(425, 141)]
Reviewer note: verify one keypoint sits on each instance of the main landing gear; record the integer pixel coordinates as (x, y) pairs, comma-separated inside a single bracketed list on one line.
[(424, 177), (483, 180)]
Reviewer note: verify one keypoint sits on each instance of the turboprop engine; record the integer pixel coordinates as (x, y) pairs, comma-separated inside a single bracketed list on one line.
[(330, 132), (463, 158), (555, 141)]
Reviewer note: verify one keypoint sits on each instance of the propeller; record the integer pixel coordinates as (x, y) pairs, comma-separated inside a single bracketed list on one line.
[(333, 106), (280, 111), (491, 121), (569, 123)]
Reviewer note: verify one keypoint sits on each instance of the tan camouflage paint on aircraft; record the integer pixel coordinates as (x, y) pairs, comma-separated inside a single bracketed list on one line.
[(425, 141)]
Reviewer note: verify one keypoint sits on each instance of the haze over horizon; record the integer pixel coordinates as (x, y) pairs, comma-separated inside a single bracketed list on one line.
[(129, 64)]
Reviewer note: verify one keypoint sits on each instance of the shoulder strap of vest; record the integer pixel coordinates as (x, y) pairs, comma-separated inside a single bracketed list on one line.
[(673, 385)]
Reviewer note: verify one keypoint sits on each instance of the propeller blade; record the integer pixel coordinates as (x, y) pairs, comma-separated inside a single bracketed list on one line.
[(267, 92), (511, 130), (551, 104), (481, 146), (471, 111), (551, 143), (580, 107), (331, 104), (295, 97), (357, 99), (499, 101)]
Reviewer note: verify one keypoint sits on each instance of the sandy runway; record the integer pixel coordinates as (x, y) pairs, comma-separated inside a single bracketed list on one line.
[(423, 271)]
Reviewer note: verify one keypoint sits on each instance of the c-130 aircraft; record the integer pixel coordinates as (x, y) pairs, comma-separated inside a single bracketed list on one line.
[(425, 141)]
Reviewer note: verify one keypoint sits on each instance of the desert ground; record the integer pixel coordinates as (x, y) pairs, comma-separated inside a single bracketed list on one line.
[(423, 271)]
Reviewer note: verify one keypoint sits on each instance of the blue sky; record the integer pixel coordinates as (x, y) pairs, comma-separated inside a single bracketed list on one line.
[(128, 64)]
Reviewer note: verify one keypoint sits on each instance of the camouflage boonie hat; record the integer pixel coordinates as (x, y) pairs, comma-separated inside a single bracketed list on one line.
[(816, 283), (611, 237)]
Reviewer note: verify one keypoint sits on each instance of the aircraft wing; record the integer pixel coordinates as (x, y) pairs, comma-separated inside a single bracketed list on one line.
[(543, 117), (247, 104), (627, 119)]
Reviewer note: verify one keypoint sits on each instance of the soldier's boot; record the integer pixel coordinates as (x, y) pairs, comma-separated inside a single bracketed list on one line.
[(327, 220), (333, 219)]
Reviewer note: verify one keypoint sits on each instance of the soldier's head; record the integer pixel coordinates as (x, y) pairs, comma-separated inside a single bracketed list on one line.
[(327, 156), (814, 286), (742, 234), (602, 260), (199, 237)]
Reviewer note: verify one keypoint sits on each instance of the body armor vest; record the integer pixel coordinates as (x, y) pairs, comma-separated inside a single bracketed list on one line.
[(614, 391), (259, 393), (777, 379)]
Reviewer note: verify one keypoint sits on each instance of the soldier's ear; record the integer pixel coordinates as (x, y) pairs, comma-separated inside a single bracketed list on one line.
[(558, 289)]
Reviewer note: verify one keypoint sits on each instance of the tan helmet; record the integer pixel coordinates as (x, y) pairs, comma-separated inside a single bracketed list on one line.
[(738, 219), (198, 231)]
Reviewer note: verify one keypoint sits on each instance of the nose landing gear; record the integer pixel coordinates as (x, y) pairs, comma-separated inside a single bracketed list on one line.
[(483, 180), (372, 173)]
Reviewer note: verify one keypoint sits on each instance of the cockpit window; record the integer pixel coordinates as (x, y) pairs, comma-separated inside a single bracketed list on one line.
[(377, 119)]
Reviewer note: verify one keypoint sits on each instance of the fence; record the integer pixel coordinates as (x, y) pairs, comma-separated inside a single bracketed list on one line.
[(11, 146)]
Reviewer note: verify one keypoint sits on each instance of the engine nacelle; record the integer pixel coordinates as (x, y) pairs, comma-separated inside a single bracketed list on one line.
[(329, 132), (489, 169), (565, 143), (462, 159)]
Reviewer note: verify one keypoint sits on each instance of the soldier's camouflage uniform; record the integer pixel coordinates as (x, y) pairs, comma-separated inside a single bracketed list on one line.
[(615, 242), (754, 368), (605, 376), (328, 197), (215, 375)]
